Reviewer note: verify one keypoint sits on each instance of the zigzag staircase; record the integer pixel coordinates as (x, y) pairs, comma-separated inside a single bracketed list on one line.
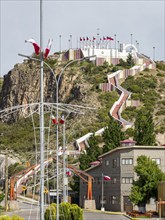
[(119, 105)]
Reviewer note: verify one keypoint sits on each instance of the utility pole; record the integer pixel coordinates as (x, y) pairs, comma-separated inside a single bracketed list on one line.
[(6, 180)]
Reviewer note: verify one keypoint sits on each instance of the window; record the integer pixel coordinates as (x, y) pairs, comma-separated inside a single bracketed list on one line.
[(114, 200), (106, 162), (127, 161), (127, 180), (157, 160), (114, 180), (103, 199), (114, 163)]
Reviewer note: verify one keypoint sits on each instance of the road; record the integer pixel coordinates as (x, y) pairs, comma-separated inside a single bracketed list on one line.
[(32, 212)]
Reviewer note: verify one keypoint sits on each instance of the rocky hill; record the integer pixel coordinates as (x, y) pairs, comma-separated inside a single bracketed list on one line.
[(79, 85)]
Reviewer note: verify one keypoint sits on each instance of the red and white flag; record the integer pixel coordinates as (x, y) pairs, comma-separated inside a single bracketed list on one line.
[(62, 121), (110, 38), (35, 45), (54, 120), (107, 178), (47, 50), (68, 173)]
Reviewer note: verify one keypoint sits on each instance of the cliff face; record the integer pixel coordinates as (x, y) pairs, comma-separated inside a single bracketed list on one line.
[(21, 86)]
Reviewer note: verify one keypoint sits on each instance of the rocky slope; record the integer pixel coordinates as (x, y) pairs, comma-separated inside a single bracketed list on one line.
[(78, 86)]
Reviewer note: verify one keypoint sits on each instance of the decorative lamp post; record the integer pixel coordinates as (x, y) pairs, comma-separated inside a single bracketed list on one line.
[(57, 80)]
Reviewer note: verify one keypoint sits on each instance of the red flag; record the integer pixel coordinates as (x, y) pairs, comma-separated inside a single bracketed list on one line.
[(62, 121), (35, 45), (107, 178), (109, 38), (54, 120), (104, 38), (68, 173), (87, 38), (47, 50), (94, 38), (81, 39)]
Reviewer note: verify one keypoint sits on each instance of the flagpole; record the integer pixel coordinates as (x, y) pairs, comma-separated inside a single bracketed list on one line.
[(102, 196), (64, 165), (110, 53), (115, 49), (60, 42), (97, 40), (41, 119), (153, 53)]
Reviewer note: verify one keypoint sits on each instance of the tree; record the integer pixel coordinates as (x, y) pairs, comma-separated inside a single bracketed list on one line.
[(122, 63), (145, 187), (2, 196), (144, 128), (92, 153), (112, 135), (15, 168), (130, 61)]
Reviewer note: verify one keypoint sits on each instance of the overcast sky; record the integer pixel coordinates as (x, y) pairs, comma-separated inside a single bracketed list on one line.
[(20, 20)]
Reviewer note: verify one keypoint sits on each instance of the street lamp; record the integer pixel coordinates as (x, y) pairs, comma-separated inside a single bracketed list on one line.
[(70, 41), (60, 42), (131, 43), (153, 53), (115, 50), (57, 80)]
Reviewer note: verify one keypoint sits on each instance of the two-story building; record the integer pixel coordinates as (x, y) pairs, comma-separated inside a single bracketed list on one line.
[(119, 164)]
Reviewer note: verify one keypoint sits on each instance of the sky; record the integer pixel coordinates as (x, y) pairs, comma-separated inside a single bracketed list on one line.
[(20, 20)]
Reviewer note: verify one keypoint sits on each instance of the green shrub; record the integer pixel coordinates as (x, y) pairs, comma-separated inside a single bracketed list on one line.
[(161, 112), (76, 212), (2, 196), (14, 217), (160, 74), (50, 213), (5, 218), (160, 65), (67, 211)]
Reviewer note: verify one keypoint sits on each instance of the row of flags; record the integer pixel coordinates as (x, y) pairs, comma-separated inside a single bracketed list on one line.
[(93, 39), (37, 47), (47, 50)]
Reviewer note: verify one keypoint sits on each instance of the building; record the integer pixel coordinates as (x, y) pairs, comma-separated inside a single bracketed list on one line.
[(119, 165), (105, 53)]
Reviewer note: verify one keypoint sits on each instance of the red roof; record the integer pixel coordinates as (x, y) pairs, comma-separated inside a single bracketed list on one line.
[(95, 162), (128, 141)]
